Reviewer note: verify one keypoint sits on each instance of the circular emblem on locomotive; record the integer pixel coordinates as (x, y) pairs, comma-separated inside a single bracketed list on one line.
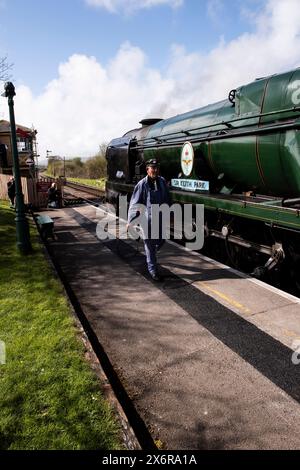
[(187, 158)]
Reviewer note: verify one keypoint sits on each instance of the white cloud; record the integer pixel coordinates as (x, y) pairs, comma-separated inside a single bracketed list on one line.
[(273, 47), (89, 103), (214, 9), (129, 6)]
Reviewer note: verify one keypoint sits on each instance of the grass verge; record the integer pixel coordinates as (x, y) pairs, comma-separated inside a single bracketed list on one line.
[(49, 396), (97, 183)]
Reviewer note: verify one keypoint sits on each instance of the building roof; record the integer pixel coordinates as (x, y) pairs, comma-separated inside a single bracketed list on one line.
[(5, 127)]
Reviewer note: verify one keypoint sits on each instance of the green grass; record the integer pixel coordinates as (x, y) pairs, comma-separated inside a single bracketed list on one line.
[(98, 183), (49, 396)]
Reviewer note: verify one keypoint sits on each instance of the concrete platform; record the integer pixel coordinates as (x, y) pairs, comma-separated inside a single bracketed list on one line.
[(205, 355)]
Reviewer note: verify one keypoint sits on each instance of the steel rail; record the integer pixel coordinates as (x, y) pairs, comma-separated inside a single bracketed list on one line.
[(85, 188)]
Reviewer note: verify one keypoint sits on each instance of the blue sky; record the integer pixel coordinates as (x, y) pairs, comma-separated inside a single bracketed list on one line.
[(96, 67), (39, 34)]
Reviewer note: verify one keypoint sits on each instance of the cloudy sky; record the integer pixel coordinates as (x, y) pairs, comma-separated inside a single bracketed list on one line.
[(87, 71)]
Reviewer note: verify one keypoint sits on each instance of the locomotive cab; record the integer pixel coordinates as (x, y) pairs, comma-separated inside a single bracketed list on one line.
[(125, 162), (117, 156)]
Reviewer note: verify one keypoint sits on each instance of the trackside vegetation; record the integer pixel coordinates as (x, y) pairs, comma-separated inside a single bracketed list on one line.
[(49, 396), (77, 167), (95, 183)]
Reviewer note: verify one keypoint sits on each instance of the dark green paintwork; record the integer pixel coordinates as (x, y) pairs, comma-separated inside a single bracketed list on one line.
[(267, 163), (265, 212), (255, 145)]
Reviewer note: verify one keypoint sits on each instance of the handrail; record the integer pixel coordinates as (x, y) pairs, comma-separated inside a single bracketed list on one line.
[(257, 130), (225, 123)]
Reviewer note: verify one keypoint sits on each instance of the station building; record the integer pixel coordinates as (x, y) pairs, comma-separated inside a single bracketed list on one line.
[(27, 151), (26, 142)]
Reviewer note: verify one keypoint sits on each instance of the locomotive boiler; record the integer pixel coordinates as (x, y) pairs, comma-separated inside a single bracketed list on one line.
[(239, 157)]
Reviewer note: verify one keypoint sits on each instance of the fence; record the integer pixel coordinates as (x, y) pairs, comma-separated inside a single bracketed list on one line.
[(34, 189)]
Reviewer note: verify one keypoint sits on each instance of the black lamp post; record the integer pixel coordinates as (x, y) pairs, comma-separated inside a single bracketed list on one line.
[(22, 229)]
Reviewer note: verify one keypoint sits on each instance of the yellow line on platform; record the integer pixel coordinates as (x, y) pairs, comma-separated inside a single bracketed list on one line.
[(225, 297), (290, 333)]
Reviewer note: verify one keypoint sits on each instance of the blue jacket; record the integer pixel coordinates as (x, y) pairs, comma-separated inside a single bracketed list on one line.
[(143, 194)]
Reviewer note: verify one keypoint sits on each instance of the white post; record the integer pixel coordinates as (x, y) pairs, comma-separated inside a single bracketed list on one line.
[(2, 353)]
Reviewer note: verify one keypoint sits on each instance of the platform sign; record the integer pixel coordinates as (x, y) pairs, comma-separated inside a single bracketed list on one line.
[(22, 160), (190, 185), (42, 186)]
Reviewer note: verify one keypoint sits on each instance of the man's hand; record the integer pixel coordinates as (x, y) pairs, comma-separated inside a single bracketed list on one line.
[(133, 230)]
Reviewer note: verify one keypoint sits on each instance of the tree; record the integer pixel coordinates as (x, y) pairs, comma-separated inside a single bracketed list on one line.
[(95, 167), (73, 168), (5, 68), (92, 168)]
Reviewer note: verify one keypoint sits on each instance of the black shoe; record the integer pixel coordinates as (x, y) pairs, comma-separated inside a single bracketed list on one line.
[(155, 277)]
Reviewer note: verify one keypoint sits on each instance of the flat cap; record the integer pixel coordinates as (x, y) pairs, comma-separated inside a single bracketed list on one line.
[(153, 163)]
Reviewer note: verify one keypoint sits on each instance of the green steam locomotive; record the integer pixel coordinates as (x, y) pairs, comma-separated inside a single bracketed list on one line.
[(240, 158)]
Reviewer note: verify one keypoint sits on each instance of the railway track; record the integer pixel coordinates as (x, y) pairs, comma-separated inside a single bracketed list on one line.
[(99, 193), (77, 193)]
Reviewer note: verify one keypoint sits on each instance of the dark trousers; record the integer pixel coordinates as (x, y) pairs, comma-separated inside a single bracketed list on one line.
[(12, 199), (151, 247)]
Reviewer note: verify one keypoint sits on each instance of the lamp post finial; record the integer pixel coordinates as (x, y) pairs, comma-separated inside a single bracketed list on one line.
[(9, 89)]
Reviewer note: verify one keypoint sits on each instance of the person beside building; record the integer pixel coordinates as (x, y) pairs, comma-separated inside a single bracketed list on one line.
[(53, 196), (11, 191)]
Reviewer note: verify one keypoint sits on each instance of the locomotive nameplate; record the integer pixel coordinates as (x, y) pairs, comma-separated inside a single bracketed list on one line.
[(190, 185)]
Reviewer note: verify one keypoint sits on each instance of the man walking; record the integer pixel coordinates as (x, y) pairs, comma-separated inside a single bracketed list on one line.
[(150, 190)]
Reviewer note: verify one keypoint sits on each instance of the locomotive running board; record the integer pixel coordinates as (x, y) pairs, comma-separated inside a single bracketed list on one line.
[(251, 208)]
